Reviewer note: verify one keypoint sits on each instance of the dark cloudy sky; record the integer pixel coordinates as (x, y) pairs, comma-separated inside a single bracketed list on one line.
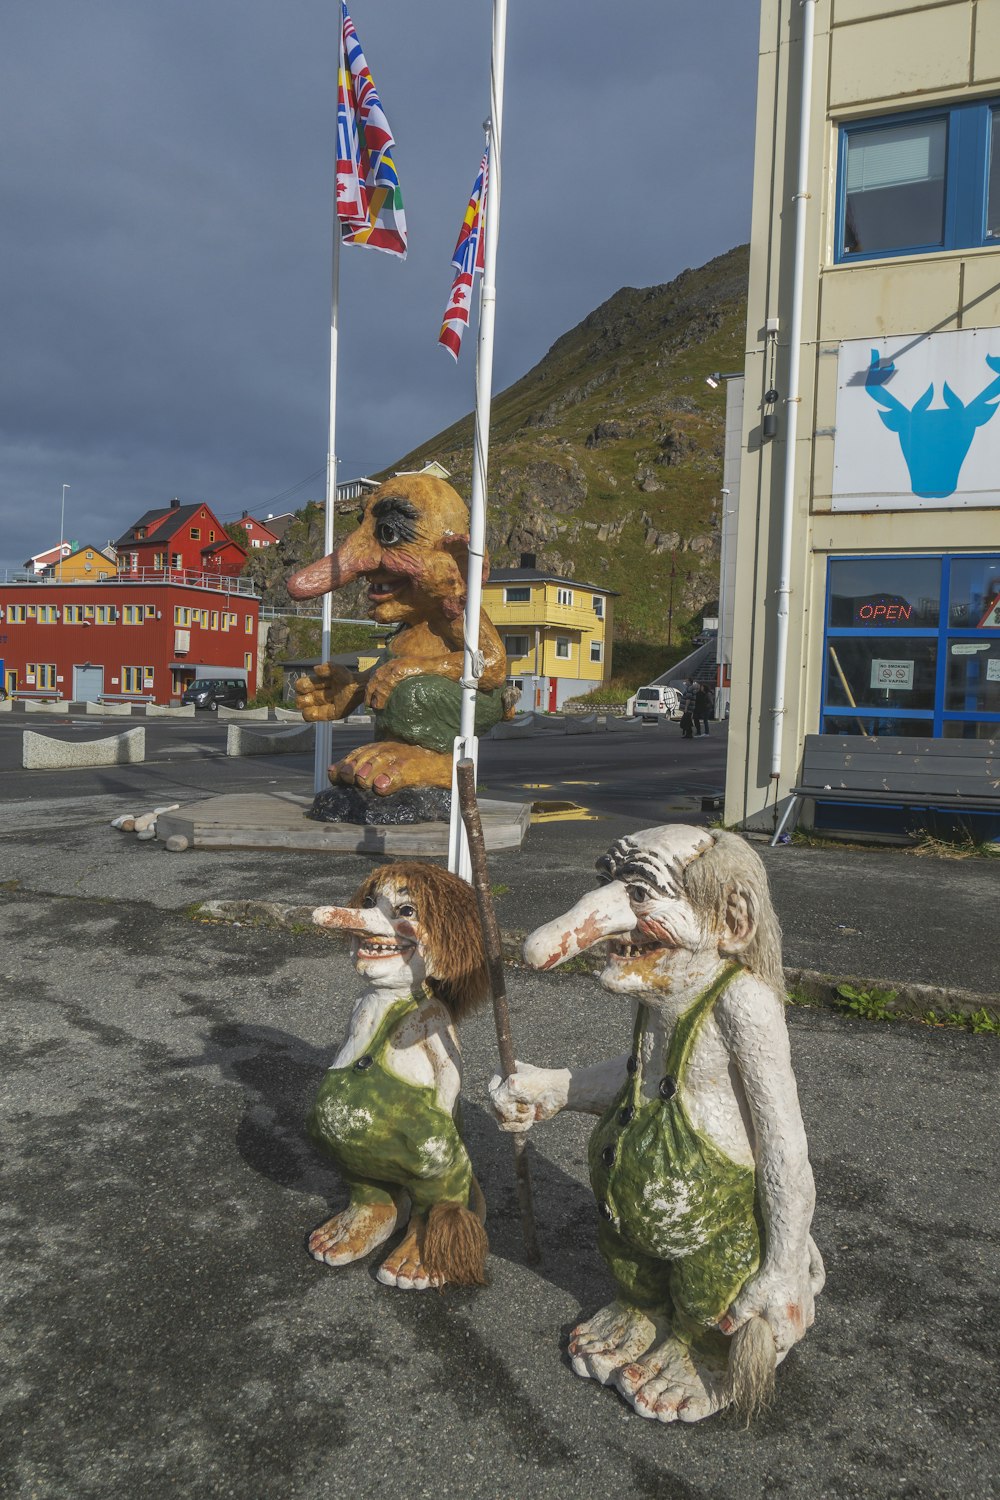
[(165, 209)]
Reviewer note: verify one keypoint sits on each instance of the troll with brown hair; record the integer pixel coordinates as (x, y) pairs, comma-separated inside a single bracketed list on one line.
[(387, 1109), (412, 544)]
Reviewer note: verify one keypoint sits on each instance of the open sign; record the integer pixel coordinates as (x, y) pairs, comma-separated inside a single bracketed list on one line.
[(882, 609)]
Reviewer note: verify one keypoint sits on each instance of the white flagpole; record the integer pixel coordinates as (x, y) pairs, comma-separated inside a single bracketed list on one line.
[(467, 745), (324, 729)]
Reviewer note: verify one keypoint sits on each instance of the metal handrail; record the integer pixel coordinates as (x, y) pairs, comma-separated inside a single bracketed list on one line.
[(187, 577)]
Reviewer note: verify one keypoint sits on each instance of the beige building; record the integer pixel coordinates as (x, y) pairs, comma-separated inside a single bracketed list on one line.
[(866, 591)]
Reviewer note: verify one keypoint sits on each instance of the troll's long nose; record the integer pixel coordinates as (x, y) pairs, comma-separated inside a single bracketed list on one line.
[(600, 914), (367, 919), (359, 553)]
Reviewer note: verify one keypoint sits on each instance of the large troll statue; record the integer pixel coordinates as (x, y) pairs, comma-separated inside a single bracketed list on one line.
[(387, 1109), (412, 544), (699, 1160)]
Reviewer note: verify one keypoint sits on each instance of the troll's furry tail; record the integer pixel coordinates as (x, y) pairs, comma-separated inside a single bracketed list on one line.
[(455, 1245), (750, 1373)]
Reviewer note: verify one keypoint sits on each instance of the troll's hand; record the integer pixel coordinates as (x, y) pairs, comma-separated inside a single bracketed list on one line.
[(328, 693)]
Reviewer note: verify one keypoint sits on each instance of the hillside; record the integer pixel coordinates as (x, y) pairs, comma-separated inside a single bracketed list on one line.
[(606, 458)]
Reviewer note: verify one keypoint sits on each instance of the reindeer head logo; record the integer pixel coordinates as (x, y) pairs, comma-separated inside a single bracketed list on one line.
[(935, 444)]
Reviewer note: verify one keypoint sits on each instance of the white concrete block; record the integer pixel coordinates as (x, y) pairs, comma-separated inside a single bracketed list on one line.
[(240, 741), (39, 752)]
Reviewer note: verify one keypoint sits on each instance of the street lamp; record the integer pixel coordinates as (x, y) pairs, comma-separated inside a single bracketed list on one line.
[(62, 528)]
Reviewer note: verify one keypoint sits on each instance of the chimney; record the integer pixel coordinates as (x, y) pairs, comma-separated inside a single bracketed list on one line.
[(527, 559), (175, 504), (244, 515)]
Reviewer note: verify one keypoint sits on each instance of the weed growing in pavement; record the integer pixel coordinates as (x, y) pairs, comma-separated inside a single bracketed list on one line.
[(870, 1005), (965, 847), (980, 1022)]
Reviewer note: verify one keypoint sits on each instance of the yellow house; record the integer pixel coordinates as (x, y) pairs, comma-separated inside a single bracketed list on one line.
[(84, 565), (556, 632)]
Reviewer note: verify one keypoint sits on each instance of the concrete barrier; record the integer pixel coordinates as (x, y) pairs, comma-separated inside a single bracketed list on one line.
[(261, 714), (169, 711), (39, 752), (287, 715), (616, 725), (56, 707), (240, 741), (583, 723), (108, 710)]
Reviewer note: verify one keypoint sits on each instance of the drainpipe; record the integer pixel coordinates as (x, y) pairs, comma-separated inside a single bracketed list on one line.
[(794, 399)]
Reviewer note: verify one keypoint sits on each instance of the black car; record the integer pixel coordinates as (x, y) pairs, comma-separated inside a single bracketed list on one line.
[(209, 692)]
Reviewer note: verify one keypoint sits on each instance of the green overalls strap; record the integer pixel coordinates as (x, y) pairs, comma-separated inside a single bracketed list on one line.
[(386, 1133), (678, 1217), (426, 710)]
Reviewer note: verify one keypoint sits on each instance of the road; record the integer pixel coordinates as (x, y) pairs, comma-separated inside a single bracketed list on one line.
[(643, 774)]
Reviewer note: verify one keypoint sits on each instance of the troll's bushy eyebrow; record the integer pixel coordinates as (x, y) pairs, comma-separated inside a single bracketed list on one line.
[(402, 513)]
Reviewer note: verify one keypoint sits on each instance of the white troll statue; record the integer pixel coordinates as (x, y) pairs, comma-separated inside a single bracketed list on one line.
[(699, 1160)]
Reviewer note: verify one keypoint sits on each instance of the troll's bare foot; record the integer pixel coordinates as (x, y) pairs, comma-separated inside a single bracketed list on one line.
[(671, 1384), (613, 1337), (351, 1234), (404, 1267), (389, 766)]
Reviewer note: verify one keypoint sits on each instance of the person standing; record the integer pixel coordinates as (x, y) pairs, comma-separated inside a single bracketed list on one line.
[(689, 696), (703, 707)]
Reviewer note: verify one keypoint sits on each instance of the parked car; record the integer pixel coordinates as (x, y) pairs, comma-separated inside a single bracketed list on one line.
[(656, 702), (209, 692)]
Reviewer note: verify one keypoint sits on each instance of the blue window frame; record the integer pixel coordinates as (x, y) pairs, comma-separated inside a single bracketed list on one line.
[(912, 646), (914, 183)]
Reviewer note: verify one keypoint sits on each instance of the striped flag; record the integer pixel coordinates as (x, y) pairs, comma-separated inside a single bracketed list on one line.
[(369, 200), (467, 261)]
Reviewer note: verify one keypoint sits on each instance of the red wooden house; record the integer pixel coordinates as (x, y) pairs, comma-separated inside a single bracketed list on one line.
[(178, 540), (258, 534)]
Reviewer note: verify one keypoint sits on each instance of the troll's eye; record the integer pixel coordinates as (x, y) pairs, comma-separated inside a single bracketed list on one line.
[(388, 533), (637, 893), (406, 910), (368, 902)]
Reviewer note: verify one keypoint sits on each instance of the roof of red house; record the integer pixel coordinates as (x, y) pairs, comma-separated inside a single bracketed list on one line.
[(153, 523)]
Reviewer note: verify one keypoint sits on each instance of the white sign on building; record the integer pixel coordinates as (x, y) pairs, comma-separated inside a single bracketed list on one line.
[(918, 422)]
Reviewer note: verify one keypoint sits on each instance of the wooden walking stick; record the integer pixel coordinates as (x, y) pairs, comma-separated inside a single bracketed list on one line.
[(466, 778)]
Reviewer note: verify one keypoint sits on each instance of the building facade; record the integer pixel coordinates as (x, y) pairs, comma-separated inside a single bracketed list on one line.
[(126, 639), (557, 633), (866, 591), (175, 540)]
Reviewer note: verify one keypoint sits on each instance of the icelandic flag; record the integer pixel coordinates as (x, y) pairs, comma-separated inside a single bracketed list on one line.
[(369, 200), (467, 261)]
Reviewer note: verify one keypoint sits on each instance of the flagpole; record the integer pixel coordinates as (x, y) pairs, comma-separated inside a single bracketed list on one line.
[(467, 745), (323, 752)]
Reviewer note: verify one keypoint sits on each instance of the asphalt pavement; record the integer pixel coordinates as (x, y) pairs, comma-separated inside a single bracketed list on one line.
[(164, 1331)]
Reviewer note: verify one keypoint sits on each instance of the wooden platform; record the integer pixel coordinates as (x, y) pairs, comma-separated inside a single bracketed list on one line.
[(276, 820)]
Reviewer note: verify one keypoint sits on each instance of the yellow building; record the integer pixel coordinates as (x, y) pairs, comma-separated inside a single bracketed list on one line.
[(556, 631), (84, 565)]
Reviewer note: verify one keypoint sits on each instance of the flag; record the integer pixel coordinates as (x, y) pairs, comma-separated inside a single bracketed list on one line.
[(369, 200), (467, 260)]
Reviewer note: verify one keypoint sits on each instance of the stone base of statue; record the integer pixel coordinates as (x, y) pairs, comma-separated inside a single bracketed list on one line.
[(353, 804)]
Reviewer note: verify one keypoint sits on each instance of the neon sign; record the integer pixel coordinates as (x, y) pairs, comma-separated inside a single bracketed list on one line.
[(882, 609)]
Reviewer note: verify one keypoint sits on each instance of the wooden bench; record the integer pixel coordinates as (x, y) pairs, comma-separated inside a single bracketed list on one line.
[(898, 772)]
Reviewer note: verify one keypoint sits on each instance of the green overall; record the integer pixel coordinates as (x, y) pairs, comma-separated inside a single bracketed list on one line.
[(426, 710), (678, 1222), (385, 1133)]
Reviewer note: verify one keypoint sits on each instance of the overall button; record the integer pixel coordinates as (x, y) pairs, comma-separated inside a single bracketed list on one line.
[(632, 1064), (604, 1209), (668, 1087), (608, 1156), (363, 1063), (625, 1115)]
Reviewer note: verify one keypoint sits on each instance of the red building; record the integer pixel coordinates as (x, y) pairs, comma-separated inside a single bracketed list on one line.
[(258, 535), (175, 540), (128, 637)]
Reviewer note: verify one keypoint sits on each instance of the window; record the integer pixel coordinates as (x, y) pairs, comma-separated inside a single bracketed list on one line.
[(90, 557), (913, 647), (73, 614), (176, 560), (248, 660), (516, 645), (17, 614), (598, 602), (597, 650), (43, 672), (105, 614), (182, 615), (521, 594), (150, 611), (211, 536), (195, 533), (159, 559), (248, 624), (564, 596), (215, 619), (47, 614), (134, 679), (133, 614), (562, 647), (920, 182)]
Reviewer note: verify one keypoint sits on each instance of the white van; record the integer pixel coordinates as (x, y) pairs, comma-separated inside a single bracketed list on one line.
[(656, 702)]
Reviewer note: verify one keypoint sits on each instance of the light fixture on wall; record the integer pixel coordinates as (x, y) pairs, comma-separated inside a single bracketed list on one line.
[(769, 416)]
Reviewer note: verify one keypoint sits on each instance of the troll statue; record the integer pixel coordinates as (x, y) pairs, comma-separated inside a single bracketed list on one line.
[(388, 1109), (412, 544), (698, 1160)]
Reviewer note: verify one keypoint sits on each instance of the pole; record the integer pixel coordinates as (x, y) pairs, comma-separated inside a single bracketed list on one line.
[(465, 777), (466, 745), (324, 730), (62, 528)]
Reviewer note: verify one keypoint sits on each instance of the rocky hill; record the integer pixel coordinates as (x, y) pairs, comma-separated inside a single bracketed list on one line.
[(606, 458)]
